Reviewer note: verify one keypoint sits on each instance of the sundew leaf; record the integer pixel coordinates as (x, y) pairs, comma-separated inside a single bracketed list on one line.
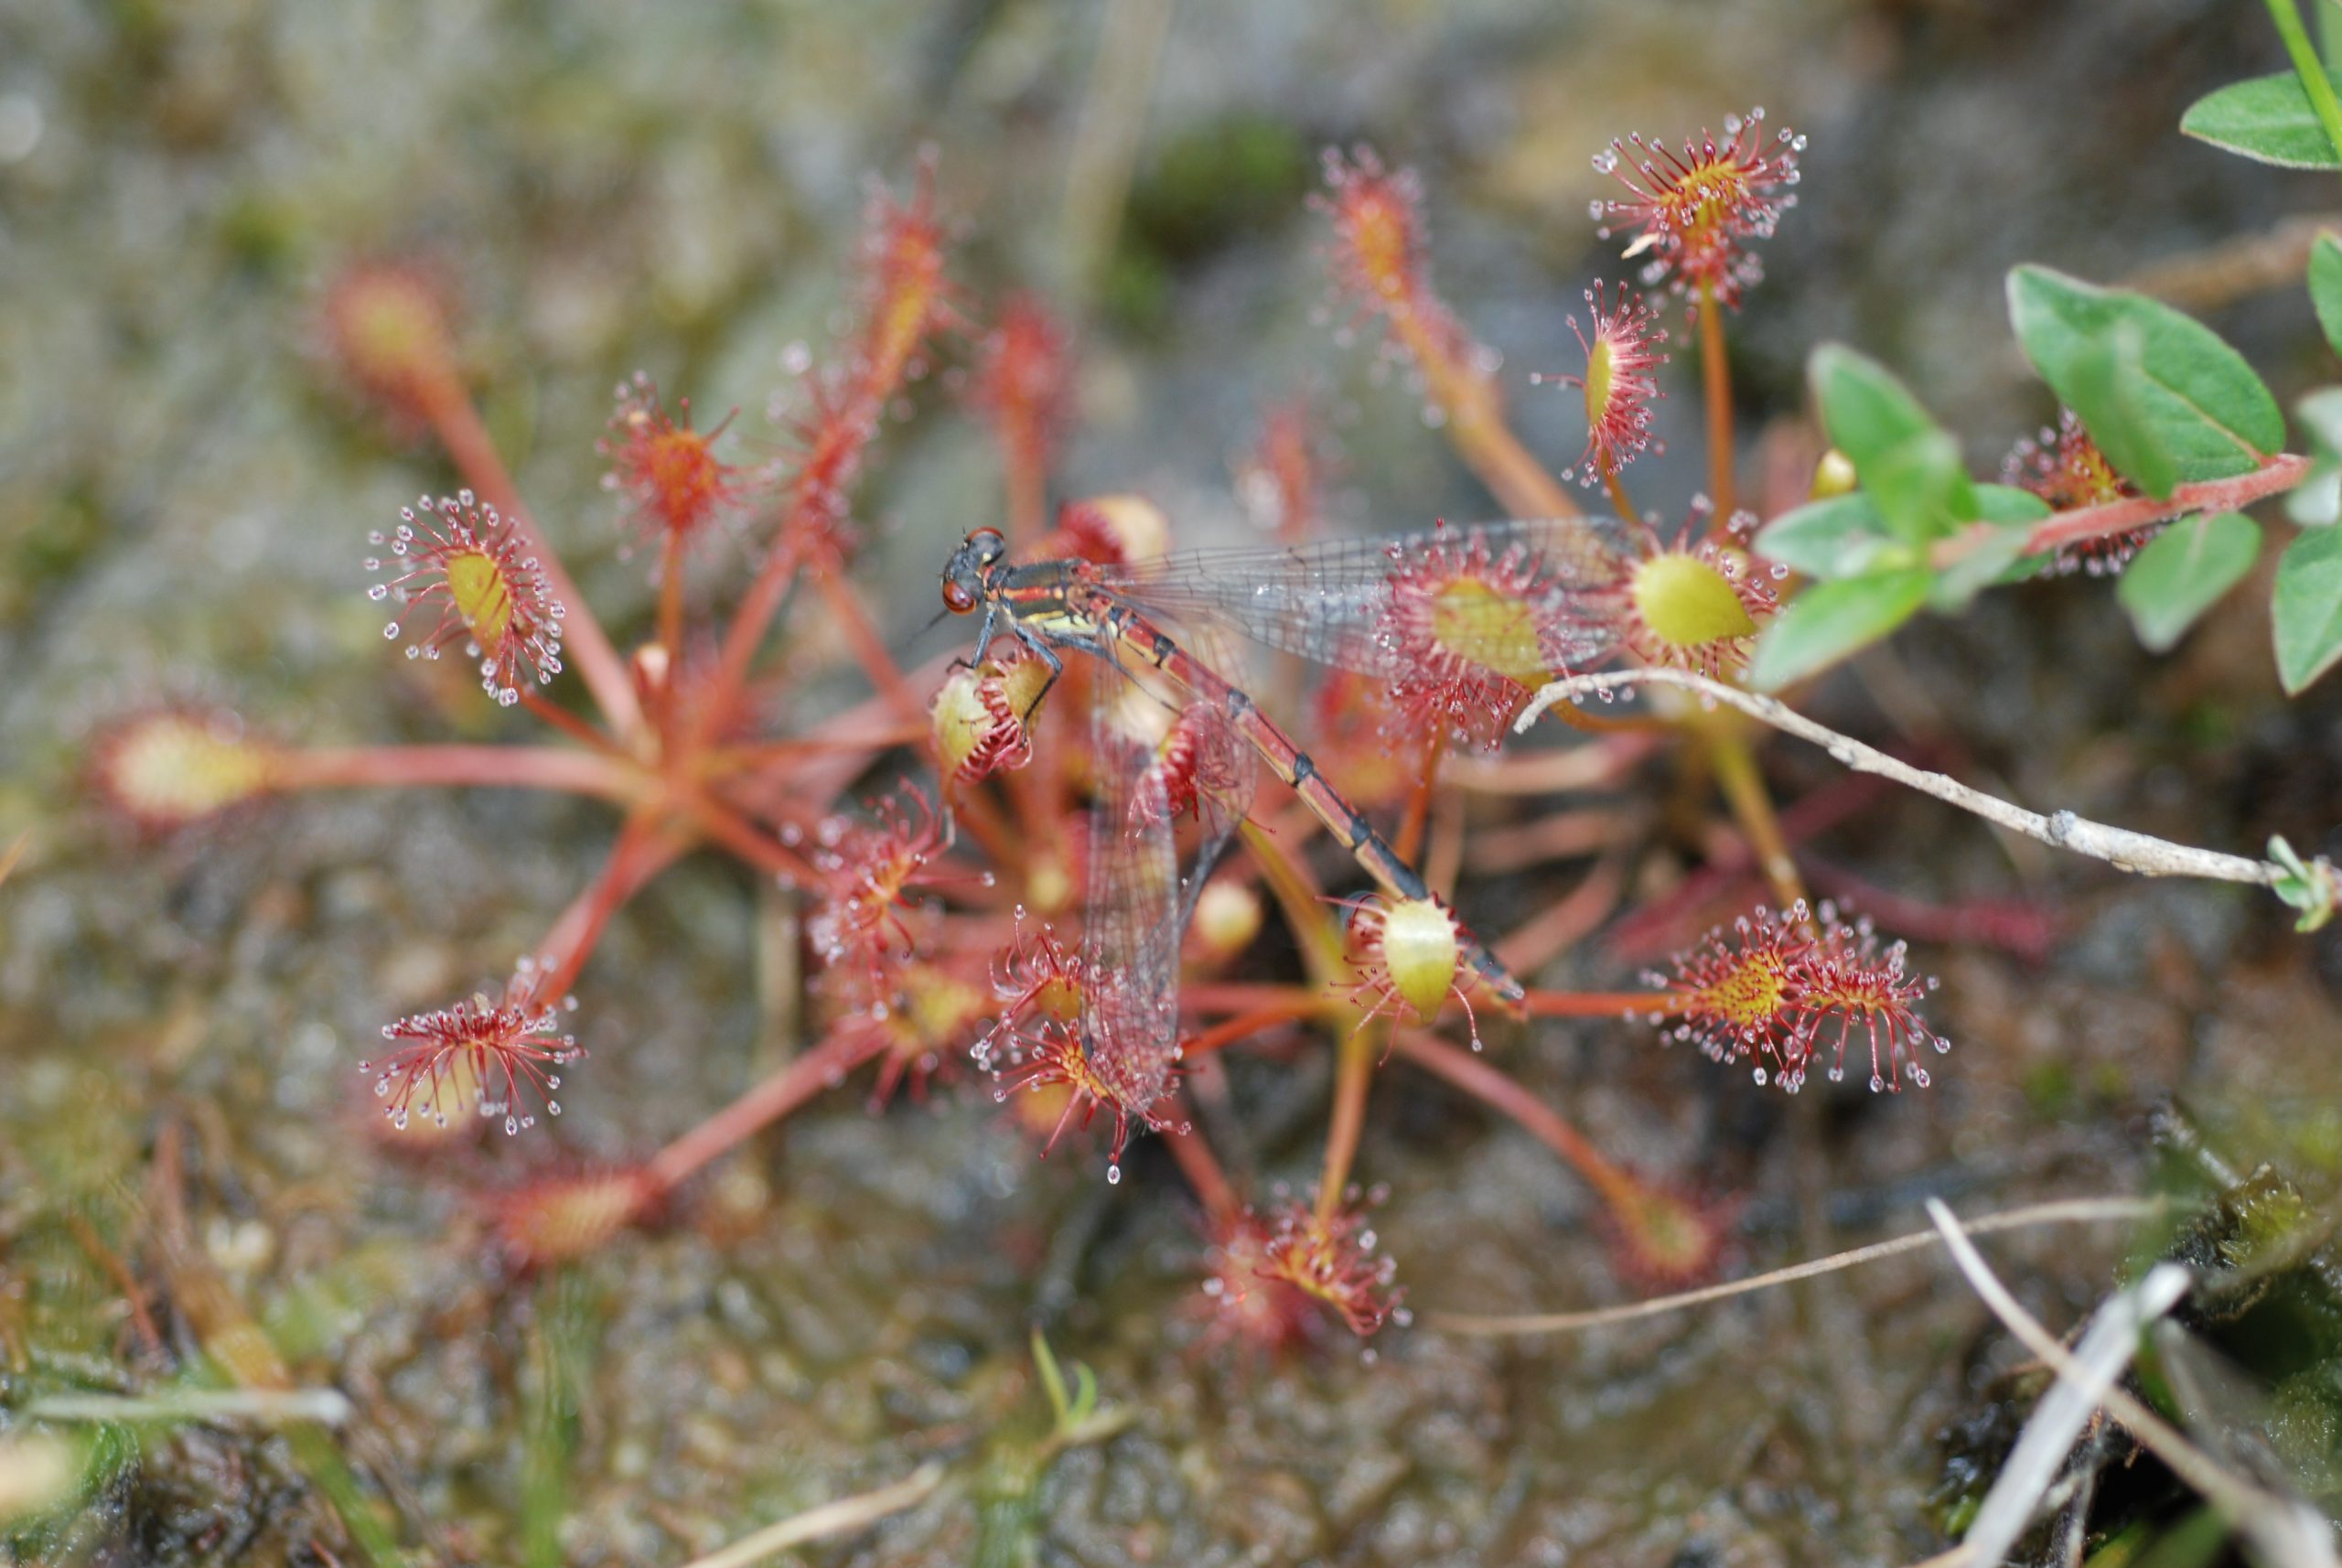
[(2306, 611), (2165, 398), (1829, 621), (2182, 572), (2326, 282), (2265, 118), (1909, 465)]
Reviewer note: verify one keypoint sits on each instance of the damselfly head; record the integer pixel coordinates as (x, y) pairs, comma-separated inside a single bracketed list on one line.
[(963, 576)]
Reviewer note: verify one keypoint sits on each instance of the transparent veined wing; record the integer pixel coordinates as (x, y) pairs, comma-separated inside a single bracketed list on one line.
[(1131, 928), (1524, 598)]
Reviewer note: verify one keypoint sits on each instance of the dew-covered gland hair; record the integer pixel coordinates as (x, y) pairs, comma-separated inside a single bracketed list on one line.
[(868, 869), (1621, 352), (2065, 467), (1696, 213), (673, 483), (1407, 956), (455, 573), (1468, 631), (490, 1056), (1783, 988), (1333, 1259), (980, 716), (1698, 602)]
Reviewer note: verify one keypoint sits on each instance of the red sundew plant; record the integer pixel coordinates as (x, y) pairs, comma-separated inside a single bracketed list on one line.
[(1771, 987), (1696, 606), (1696, 212), (867, 870), (457, 560), (1408, 957), (171, 767), (492, 1057), (1328, 1254), (1474, 628), (1619, 387), (673, 482), (1110, 834)]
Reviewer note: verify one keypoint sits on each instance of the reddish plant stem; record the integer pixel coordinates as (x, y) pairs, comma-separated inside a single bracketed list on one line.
[(449, 409), (569, 724), (1411, 827), (1564, 923), (1560, 836), (670, 597), (1201, 1168), (2276, 474), (1353, 1077), (723, 759), (742, 838), (638, 854), (1610, 482), (1654, 925), (133, 1296), (1028, 483), (1598, 1003), (1242, 997), (1744, 791), (982, 820), (505, 767), (766, 591), (1244, 1024), (1715, 377), (1485, 1083), (806, 1076)]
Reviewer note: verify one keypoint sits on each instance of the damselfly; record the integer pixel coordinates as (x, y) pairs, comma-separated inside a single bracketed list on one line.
[(1120, 1049), (1512, 604)]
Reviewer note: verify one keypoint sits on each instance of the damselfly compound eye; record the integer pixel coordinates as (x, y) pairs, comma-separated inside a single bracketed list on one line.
[(956, 597)]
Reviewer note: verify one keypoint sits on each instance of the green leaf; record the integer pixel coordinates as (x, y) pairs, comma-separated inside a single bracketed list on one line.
[(1978, 568), (2306, 611), (2326, 282), (2311, 887), (2165, 400), (2316, 501), (2182, 572), (1052, 1381), (2009, 515), (2267, 119), (1829, 621), (1841, 537), (1908, 463), (2106, 372), (2006, 503)]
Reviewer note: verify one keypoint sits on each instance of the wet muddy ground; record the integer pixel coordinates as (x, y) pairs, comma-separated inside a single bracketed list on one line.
[(183, 498)]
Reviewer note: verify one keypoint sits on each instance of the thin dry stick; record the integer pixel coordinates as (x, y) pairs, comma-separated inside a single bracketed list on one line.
[(2063, 1211), (329, 1406), (2119, 847), (2286, 1532), (830, 1519)]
